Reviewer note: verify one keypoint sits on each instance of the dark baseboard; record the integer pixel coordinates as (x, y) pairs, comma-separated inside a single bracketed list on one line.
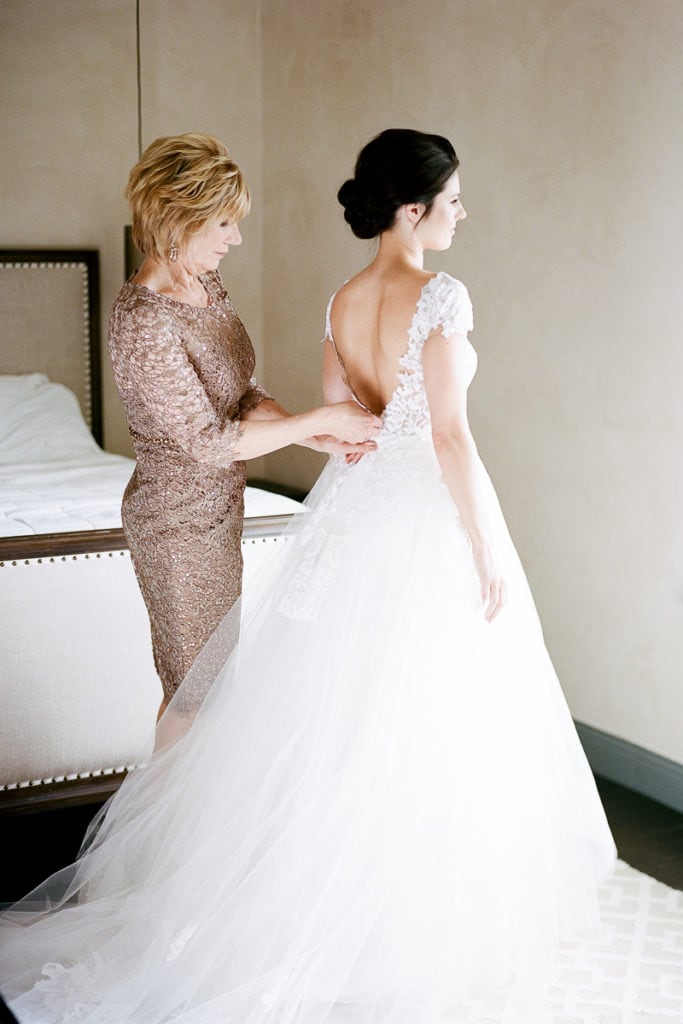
[(634, 767)]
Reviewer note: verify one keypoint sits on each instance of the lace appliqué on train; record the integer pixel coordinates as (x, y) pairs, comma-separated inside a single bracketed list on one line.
[(318, 546), (73, 994)]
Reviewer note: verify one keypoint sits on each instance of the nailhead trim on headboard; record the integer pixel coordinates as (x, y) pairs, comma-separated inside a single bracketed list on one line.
[(85, 262)]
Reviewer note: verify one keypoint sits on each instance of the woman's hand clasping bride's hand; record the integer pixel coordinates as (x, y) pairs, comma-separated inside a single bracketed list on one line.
[(349, 422)]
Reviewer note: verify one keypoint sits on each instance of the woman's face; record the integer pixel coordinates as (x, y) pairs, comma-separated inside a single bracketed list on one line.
[(204, 250), (437, 228)]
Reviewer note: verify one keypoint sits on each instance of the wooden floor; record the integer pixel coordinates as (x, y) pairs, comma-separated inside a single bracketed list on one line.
[(649, 837)]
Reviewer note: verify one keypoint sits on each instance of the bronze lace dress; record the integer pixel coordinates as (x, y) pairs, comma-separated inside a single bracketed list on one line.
[(184, 375)]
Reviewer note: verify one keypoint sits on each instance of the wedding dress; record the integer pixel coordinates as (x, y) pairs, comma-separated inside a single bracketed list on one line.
[(380, 814)]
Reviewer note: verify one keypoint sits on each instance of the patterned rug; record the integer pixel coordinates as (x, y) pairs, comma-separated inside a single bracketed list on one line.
[(631, 974), (634, 973)]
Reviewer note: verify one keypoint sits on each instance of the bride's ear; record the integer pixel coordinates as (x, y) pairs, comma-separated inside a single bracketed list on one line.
[(412, 213)]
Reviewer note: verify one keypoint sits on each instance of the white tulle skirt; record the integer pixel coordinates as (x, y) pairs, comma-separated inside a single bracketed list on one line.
[(380, 814)]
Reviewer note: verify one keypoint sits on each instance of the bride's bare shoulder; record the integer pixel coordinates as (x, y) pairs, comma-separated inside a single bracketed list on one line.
[(398, 284)]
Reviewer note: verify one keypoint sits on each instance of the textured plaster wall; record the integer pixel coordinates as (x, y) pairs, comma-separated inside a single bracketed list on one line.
[(567, 118)]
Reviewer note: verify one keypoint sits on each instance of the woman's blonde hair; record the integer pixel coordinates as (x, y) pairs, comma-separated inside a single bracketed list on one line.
[(179, 184)]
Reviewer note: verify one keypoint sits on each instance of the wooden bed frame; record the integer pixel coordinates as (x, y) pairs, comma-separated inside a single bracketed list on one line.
[(50, 324)]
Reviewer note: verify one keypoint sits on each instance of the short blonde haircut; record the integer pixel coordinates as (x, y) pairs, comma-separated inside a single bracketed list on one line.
[(180, 184)]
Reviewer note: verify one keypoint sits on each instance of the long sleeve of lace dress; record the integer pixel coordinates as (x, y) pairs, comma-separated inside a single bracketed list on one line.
[(253, 396)]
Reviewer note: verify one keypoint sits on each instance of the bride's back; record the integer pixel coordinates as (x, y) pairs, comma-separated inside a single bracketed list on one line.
[(370, 319)]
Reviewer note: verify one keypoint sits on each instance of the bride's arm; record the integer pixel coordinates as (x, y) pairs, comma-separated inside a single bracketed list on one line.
[(445, 365), (335, 389)]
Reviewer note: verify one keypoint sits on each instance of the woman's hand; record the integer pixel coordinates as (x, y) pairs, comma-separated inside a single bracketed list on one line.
[(493, 589), (354, 458), (345, 427), (333, 446), (348, 421)]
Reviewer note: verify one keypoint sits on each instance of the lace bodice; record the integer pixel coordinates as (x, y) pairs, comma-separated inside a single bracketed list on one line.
[(405, 455), (444, 305)]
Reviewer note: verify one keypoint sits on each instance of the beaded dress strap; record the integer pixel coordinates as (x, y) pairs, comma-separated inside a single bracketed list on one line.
[(328, 322), (330, 337)]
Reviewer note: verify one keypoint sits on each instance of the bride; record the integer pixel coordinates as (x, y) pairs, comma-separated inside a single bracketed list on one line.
[(377, 811)]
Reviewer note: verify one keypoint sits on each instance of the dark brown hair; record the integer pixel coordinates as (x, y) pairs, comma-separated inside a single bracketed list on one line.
[(397, 167)]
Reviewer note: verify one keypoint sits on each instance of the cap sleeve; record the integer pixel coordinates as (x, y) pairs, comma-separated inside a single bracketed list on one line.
[(448, 307), (253, 396)]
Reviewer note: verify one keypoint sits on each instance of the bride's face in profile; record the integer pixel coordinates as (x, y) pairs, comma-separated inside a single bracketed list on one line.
[(436, 230)]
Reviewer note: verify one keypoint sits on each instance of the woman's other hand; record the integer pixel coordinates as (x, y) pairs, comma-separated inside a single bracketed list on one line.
[(333, 446)]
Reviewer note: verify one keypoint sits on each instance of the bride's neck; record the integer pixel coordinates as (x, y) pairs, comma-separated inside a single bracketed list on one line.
[(400, 249)]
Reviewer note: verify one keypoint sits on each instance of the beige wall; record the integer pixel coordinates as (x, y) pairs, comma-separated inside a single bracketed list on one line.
[(566, 115)]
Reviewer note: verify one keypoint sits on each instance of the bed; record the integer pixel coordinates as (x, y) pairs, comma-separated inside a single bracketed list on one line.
[(77, 682)]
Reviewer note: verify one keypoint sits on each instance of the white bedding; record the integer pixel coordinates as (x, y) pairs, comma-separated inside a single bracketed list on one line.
[(53, 475)]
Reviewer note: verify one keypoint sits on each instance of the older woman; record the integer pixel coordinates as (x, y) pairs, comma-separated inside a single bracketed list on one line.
[(183, 365)]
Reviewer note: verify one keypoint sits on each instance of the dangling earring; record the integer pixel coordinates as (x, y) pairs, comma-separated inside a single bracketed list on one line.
[(173, 252)]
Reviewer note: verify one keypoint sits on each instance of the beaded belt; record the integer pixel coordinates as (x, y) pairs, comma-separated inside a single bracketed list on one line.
[(161, 441)]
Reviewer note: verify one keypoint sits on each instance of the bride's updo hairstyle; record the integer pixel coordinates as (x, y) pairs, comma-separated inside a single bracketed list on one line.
[(397, 167)]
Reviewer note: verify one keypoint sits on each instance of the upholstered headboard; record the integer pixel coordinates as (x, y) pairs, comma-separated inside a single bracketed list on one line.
[(50, 321)]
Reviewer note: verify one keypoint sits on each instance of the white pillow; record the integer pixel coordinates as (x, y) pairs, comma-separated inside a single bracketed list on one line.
[(41, 422)]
